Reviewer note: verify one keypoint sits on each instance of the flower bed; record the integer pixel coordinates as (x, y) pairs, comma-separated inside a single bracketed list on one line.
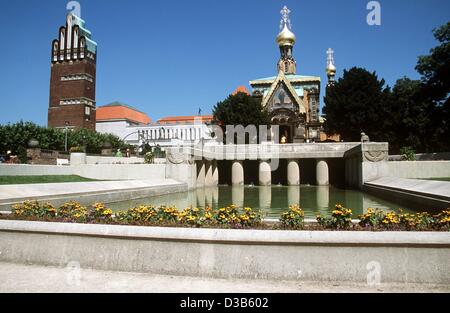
[(231, 217)]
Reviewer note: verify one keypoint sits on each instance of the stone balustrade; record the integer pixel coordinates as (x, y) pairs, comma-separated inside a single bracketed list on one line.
[(363, 161)]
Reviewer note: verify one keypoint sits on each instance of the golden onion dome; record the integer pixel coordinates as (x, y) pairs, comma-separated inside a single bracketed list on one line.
[(286, 37), (331, 69)]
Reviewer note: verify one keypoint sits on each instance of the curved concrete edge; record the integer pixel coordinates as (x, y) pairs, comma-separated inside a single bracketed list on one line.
[(427, 188), (261, 237), (407, 197), (110, 195), (256, 254)]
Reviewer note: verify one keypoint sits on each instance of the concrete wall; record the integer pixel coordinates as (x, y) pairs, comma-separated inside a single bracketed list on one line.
[(34, 170), (184, 172), (100, 172), (122, 171), (418, 169), (289, 255), (413, 193), (113, 160), (366, 162), (443, 156)]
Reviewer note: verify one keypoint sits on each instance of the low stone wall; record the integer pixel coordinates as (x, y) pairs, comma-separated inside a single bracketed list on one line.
[(443, 156), (365, 162), (99, 172), (414, 193), (113, 160), (418, 169), (288, 255), (45, 157), (122, 171), (34, 170), (88, 192)]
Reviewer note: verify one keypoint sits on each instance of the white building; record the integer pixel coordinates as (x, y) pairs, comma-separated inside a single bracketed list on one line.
[(136, 128)]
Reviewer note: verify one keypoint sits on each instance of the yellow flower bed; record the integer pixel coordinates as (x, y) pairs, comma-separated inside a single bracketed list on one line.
[(294, 218), (229, 217), (341, 218), (73, 211), (34, 209)]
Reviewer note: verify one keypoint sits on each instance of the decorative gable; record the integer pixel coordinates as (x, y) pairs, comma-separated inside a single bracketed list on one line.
[(282, 95), (281, 99)]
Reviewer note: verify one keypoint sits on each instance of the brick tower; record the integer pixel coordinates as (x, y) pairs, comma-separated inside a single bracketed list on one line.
[(73, 74)]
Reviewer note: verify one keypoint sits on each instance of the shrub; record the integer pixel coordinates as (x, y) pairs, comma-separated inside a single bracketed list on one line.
[(15, 137), (372, 218), (193, 217), (419, 221), (234, 217), (341, 218), (391, 221), (208, 216), (22, 155), (398, 221), (138, 214), (167, 214), (442, 220), (26, 209), (250, 217), (76, 150), (73, 211), (100, 212), (294, 218), (226, 215), (229, 217), (149, 158), (47, 211), (34, 209), (408, 154)]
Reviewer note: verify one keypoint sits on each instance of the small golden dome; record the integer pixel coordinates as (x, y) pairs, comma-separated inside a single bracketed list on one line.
[(286, 37), (331, 69)]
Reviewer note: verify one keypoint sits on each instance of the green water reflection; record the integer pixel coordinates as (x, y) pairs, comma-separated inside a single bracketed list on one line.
[(273, 200)]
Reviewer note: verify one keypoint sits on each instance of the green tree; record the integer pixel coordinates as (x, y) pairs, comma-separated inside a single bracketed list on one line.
[(15, 137), (240, 109), (93, 142), (435, 71), (412, 117), (435, 67), (358, 103)]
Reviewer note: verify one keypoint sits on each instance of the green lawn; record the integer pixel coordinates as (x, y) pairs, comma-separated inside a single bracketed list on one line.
[(440, 179), (20, 180)]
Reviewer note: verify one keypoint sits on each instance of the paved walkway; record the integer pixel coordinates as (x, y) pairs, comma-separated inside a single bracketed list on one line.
[(32, 278), (412, 192), (439, 189), (10, 194)]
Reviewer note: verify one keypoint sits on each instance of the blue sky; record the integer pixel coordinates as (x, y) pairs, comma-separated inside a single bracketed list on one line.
[(172, 57)]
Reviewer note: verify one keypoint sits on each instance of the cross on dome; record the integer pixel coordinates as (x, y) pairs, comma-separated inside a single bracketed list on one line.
[(330, 58), (285, 20)]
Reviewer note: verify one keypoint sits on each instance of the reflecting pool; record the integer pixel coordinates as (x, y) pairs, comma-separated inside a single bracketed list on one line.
[(273, 200)]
